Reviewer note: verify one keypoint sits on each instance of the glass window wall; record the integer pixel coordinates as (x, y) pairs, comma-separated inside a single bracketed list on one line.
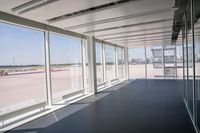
[(137, 63), (99, 63), (22, 68), (121, 65), (110, 62), (66, 65)]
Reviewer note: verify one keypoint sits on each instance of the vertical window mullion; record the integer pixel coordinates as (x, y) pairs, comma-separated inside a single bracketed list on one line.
[(48, 68)]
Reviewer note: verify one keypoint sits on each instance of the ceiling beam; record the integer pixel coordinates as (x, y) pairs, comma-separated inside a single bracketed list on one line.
[(137, 35), (130, 25), (143, 39)]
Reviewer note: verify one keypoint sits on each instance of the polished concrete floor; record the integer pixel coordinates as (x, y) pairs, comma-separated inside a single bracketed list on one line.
[(137, 106)]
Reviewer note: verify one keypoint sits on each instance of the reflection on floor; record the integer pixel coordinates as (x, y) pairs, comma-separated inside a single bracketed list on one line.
[(138, 106)]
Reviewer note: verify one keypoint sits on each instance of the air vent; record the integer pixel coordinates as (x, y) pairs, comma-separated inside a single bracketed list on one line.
[(32, 5), (89, 10)]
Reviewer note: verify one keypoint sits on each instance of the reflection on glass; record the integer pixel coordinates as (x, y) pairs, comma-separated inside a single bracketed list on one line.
[(154, 62), (121, 65), (99, 63), (137, 63), (66, 65), (110, 62), (190, 63), (179, 59), (85, 73), (169, 62), (197, 69), (185, 68), (22, 71)]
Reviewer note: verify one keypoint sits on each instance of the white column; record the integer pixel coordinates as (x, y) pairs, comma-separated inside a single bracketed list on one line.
[(48, 69), (175, 62), (126, 61), (145, 55), (92, 65), (116, 64), (163, 60), (104, 63), (83, 45)]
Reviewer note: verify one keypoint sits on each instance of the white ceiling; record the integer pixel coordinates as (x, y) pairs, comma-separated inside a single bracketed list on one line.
[(62, 7)]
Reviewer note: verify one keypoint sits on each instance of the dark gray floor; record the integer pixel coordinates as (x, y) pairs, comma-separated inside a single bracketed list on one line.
[(141, 106)]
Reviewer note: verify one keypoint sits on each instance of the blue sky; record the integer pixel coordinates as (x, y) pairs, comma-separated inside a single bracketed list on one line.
[(65, 49), (26, 46)]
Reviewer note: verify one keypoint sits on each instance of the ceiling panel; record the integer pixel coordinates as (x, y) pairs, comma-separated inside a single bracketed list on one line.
[(62, 7), (7, 5), (138, 28), (167, 15), (126, 9)]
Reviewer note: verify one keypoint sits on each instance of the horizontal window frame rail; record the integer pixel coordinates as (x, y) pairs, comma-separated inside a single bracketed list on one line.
[(26, 23), (163, 76), (66, 96), (114, 80), (19, 21), (101, 84), (107, 43), (15, 113), (23, 22)]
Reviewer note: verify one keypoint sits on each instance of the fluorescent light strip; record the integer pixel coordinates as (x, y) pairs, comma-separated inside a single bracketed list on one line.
[(25, 5), (130, 25), (144, 39), (149, 43), (140, 30), (158, 39), (157, 11), (37, 6), (122, 41), (152, 37), (137, 35)]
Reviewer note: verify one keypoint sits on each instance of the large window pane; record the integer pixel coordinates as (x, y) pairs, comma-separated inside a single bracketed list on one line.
[(22, 71), (197, 69), (85, 57), (179, 60), (185, 66), (136, 63), (123, 62), (154, 62), (110, 62), (99, 63), (66, 65), (190, 61), (121, 65)]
